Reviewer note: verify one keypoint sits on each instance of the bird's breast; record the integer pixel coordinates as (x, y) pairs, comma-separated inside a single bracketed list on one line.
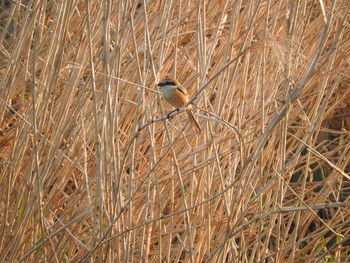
[(174, 97)]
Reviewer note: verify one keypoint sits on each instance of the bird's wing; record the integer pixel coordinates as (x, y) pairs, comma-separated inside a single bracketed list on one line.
[(182, 90)]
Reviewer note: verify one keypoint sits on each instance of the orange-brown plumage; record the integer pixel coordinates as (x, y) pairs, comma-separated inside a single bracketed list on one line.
[(177, 96)]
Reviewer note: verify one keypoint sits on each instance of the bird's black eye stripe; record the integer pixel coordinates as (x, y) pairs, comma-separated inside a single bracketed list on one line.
[(171, 83)]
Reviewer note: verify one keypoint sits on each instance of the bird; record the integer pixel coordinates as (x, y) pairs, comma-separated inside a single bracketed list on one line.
[(176, 95)]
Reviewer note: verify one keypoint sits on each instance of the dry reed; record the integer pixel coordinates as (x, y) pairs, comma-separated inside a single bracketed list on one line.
[(92, 169)]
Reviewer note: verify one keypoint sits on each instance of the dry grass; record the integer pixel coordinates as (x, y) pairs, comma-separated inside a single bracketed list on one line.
[(93, 170)]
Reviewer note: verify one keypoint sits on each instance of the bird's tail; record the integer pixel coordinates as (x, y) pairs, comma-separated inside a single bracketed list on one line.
[(193, 121)]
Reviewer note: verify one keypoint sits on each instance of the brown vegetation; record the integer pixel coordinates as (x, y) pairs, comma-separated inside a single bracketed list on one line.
[(92, 167)]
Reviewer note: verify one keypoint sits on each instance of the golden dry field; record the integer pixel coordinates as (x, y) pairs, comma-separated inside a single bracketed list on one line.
[(93, 168)]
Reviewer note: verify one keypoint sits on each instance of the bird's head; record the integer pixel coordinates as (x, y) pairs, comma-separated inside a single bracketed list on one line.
[(168, 82)]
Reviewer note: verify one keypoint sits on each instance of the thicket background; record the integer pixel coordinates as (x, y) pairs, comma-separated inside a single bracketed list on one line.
[(92, 170)]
